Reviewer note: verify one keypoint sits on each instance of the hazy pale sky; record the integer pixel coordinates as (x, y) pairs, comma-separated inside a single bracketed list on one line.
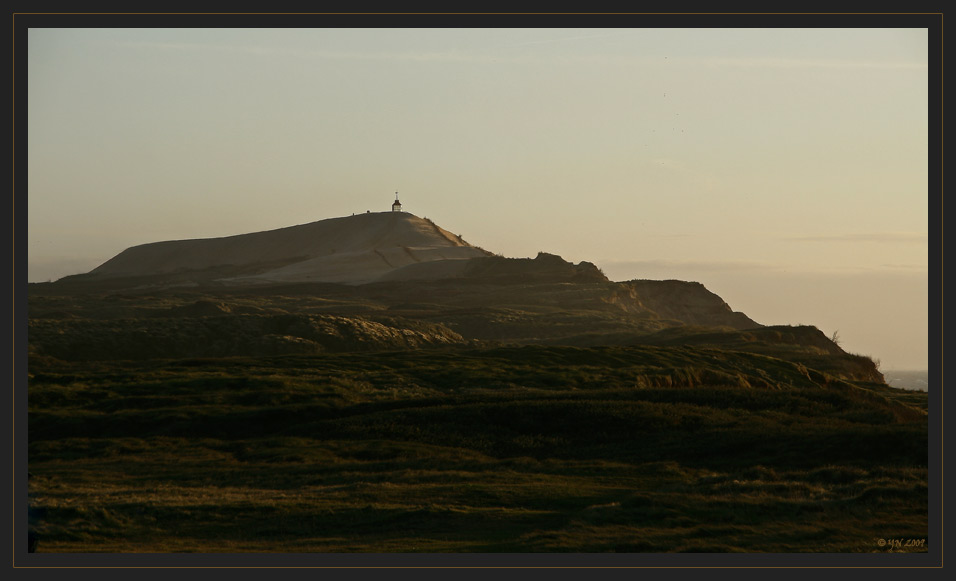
[(783, 168)]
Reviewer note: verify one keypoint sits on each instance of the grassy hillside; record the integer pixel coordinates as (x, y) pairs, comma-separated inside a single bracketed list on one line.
[(535, 448), (527, 406)]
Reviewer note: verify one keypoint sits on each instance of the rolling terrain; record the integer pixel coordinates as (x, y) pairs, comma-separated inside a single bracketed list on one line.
[(262, 393)]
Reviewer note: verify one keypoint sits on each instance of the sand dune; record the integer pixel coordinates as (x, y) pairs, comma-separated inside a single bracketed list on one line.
[(352, 249)]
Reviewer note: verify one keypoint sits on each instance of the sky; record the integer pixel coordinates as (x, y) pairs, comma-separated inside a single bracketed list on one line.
[(786, 169)]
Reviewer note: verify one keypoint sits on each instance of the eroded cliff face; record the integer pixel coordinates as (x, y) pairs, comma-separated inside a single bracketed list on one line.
[(688, 302)]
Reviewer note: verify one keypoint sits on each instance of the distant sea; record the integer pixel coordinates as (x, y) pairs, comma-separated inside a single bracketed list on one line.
[(907, 379)]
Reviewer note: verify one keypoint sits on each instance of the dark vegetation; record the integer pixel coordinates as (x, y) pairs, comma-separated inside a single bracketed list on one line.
[(509, 416)]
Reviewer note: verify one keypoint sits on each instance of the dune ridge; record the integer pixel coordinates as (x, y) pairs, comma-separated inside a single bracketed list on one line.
[(352, 250)]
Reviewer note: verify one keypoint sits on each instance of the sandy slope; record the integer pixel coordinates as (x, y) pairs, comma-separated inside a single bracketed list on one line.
[(351, 249)]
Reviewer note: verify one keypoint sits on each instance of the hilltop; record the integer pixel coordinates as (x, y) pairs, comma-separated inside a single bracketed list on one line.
[(351, 250)]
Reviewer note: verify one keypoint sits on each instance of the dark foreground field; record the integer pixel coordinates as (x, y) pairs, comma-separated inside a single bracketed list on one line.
[(511, 449)]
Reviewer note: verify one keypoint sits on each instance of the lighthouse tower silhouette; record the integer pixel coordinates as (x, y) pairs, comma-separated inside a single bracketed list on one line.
[(396, 205)]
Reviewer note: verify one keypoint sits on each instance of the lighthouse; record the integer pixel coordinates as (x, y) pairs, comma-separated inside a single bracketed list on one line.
[(396, 205)]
